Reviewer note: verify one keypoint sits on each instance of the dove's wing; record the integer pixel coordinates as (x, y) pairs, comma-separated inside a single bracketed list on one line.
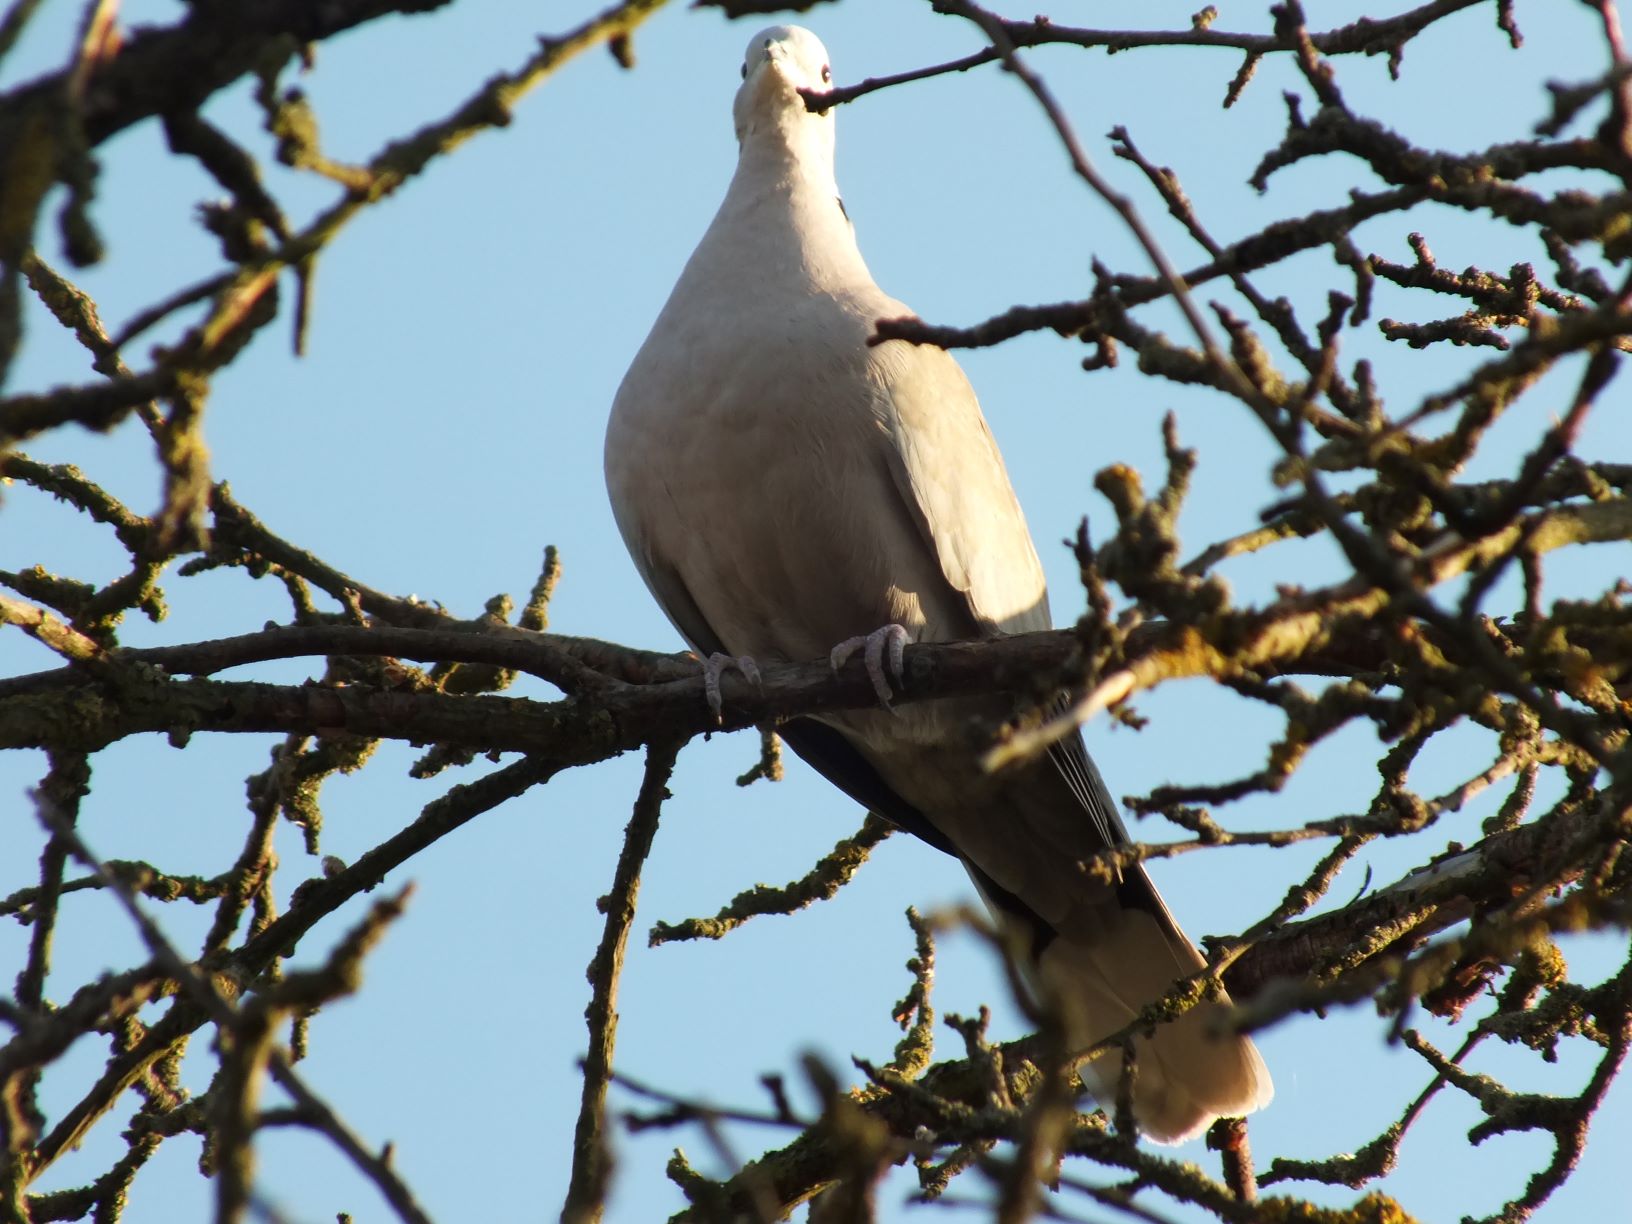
[(950, 476)]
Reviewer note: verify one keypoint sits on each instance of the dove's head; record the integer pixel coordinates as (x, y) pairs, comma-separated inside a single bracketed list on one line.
[(779, 63)]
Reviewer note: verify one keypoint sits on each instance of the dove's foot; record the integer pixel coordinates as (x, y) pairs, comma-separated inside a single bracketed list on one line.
[(715, 666), (893, 638)]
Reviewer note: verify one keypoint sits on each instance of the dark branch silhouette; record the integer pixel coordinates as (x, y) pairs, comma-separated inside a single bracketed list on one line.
[(1410, 640)]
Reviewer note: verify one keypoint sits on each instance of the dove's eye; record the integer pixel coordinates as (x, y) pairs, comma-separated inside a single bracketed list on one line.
[(827, 75)]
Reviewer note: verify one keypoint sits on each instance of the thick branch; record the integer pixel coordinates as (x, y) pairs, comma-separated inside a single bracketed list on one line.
[(175, 68)]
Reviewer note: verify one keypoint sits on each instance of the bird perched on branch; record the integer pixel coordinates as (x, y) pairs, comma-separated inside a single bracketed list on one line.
[(788, 490)]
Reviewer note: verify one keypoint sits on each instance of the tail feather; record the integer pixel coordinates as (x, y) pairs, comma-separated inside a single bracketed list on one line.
[(1105, 948), (1187, 1072), (1105, 964)]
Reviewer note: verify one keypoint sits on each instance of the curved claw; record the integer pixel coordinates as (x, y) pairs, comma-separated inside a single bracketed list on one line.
[(893, 638), (715, 666)]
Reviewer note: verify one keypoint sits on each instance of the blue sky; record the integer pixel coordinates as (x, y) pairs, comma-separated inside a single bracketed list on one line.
[(446, 424)]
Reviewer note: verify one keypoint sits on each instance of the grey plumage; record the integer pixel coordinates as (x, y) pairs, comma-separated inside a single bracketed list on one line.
[(783, 486)]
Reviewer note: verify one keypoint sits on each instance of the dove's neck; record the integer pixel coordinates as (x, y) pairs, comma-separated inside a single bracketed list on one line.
[(781, 215)]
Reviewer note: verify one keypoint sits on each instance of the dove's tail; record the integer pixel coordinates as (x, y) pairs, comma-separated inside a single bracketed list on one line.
[(1103, 966), (1105, 952)]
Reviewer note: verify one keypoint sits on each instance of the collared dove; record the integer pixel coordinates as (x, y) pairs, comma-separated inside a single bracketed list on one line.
[(783, 486)]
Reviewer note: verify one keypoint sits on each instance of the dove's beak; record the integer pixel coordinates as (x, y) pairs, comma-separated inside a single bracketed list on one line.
[(776, 53)]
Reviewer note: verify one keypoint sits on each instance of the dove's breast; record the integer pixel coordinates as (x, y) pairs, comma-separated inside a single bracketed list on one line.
[(749, 455)]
